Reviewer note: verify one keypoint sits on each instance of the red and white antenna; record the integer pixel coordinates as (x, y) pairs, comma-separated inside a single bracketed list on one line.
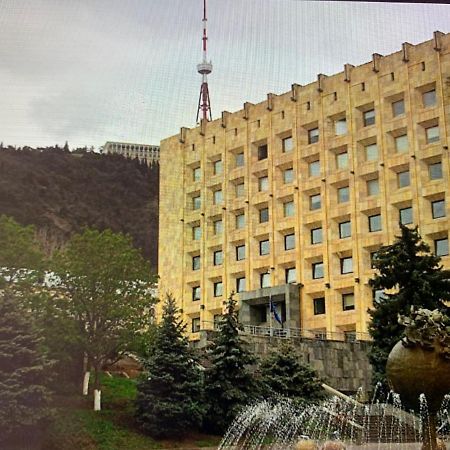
[(204, 68)]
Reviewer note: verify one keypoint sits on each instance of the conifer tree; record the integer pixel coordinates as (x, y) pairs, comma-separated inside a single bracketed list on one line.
[(284, 374), (24, 369), (229, 382), (414, 278), (170, 397)]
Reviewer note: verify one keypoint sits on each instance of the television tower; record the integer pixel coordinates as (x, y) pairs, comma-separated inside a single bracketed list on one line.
[(204, 68)]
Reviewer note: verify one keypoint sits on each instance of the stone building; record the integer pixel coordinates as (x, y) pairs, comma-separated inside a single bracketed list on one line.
[(289, 199), (144, 152)]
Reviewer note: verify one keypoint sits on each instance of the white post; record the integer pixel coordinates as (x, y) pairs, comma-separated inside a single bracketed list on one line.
[(87, 375), (97, 399)]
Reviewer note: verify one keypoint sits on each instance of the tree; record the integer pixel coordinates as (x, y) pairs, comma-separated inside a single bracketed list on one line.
[(410, 276), (102, 296), (24, 369), (284, 374), (170, 396), (229, 382)]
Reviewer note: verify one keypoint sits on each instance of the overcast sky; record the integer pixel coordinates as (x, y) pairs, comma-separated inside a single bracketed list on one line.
[(89, 71)]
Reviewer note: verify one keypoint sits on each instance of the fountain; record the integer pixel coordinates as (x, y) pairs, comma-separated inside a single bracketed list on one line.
[(419, 372)]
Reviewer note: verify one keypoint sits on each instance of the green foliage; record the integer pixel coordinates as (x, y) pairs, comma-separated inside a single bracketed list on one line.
[(284, 374), (24, 369), (229, 383), (414, 278), (170, 396), (61, 192)]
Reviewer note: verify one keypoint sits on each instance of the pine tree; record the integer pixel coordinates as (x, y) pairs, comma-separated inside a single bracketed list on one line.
[(284, 374), (24, 369), (170, 397), (414, 277), (229, 383)]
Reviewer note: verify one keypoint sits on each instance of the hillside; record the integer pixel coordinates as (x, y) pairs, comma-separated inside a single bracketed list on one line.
[(61, 192)]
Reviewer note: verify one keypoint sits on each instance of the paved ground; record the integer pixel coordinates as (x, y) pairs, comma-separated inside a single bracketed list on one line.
[(372, 446)]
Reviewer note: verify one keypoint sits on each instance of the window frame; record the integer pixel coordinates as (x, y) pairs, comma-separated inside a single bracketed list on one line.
[(290, 147), (316, 267), (342, 228), (343, 262), (264, 247), (436, 204), (319, 306), (312, 236), (372, 217), (217, 261), (315, 196), (346, 307), (407, 209), (263, 152), (289, 238), (369, 117), (339, 192), (313, 135), (196, 262), (436, 244), (218, 289), (240, 248), (262, 212)]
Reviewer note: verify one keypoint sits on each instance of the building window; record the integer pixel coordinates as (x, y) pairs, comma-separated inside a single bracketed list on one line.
[(240, 221), (263, 215), (196, 262), (240, 190), (263, 183), (403, 179), (287, 144), (288, 176), (288, 209), (438, 209), (406, 215), (373, 187), (196, 293), (377, 295), (239, 159), (313, 136), (196, 324), (319, 305), (314, 168), (316, 235), (345, 229), (264, 247), (240, 284), (398, 108), (429, 98), (342, 160), (432, 134), (346, 265), (317, 270), (348, 302), (196, 202), (217, 320), (373, 257), (218, 258), (401, 143), (435, 171), (218, 197), (196, 233), (218, 167), (371, 151), (343, 194), (369, 117), (290, 275), (264, 279), (314, 202), (262, 152), (441, 247), (218, 226), (240, 252), (218, 289), (196, 174), (289, 241), (375, 223), (340, 127)]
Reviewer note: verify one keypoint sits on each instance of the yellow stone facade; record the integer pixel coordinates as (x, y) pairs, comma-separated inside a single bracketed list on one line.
[(320, 174)]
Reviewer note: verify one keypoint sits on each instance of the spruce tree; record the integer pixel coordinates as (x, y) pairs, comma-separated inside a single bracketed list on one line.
[(24, 369), (229, 382), (285, 375), (414, 278), (170, 396)]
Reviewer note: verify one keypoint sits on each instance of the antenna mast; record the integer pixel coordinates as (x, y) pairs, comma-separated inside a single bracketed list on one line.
[(204, 68)]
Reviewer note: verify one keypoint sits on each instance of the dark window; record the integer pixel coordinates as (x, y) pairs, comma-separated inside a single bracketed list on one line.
[(218, 289), (373, 257), (375, 223), (262, 152), (290, 275), (196, 293), (217, 167), (345, 229), (316, 235), (263, 215), (196, 202), (313, 136), (314, 202), (435, 171), (369, 117), (197, 174), (438, 209), (441, 247), (319, 305), (240, 284), (317, 270), (218, 257), (264, 247), (289, 241), (377, 295), (195, 262), (346, 265), (196, 324), (406, 215), (240, 252), (348, 302), (264, 279)]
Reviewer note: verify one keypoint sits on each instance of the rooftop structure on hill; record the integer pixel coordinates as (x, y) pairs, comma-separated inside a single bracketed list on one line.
[(144, 152)]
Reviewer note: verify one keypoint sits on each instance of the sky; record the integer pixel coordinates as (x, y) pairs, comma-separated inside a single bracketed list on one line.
[(91, 71)]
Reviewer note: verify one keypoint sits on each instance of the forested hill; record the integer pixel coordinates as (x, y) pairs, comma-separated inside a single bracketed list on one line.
[(60, 192)]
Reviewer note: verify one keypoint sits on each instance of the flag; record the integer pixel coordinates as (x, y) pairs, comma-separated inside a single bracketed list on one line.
[(273, 309)]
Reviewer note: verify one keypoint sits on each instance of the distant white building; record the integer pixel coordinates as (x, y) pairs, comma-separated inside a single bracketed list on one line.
[(144, 152)]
